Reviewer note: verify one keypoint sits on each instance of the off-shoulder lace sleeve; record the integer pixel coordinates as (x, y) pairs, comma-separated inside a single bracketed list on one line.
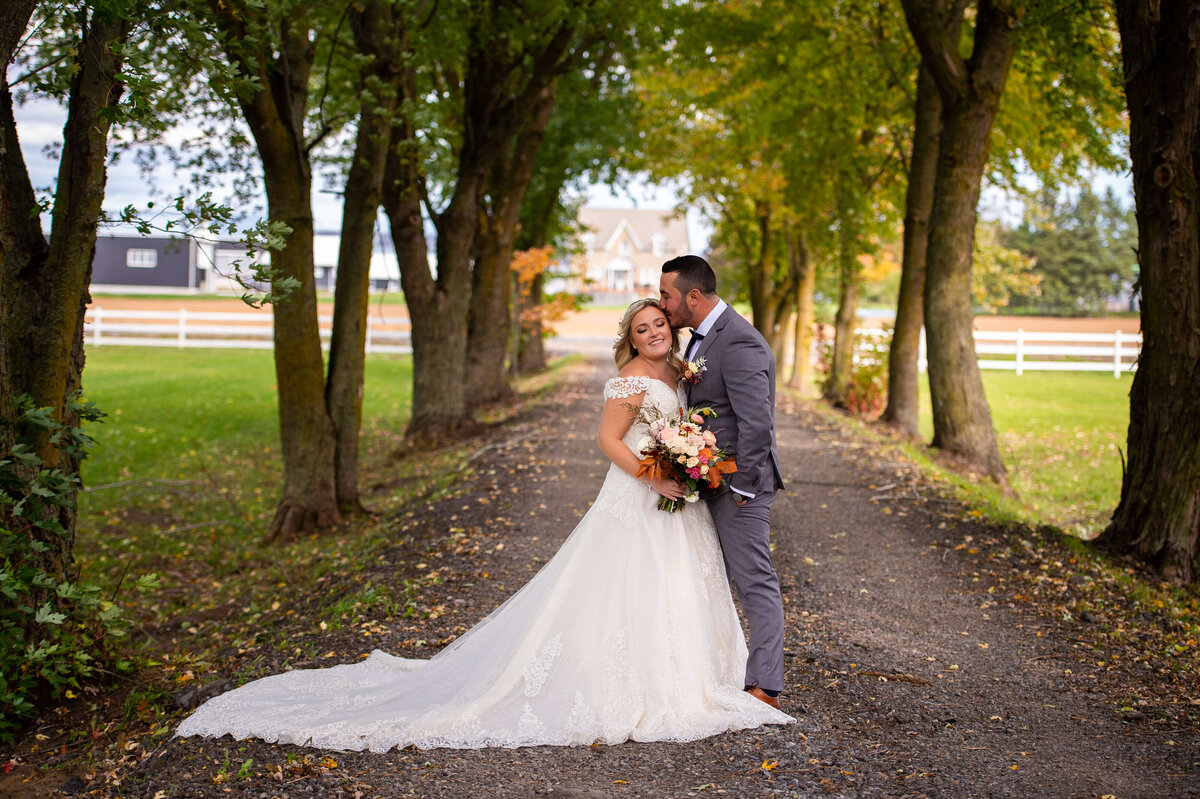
[(622, 387)]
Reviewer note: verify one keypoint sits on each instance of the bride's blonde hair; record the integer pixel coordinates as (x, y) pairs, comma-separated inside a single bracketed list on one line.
[(623, 349)]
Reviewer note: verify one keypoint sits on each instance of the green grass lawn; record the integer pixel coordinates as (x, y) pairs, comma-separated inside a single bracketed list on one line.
[(185, 473), (1061, 436)]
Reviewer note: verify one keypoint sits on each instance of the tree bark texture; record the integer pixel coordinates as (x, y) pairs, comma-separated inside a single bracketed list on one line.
[(493, 112), (804, 288), (275, 116), (970, 91), (903, 373), (44, 284), (763, 303), (1158, 517), (531, 346), (376, 34), (487, 342), (841, 365), (534, 232), (437, 306)]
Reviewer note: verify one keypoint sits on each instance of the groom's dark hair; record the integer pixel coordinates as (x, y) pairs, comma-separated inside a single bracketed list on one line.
[(692, 272)]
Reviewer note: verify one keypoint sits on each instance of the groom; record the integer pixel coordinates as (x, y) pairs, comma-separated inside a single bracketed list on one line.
[(738, 382)]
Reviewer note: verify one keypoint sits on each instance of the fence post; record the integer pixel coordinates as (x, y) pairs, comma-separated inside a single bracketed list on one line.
[(367, 349), (1117, 354), (922, 361), (98, 317), (182, 328), (1020, 351)]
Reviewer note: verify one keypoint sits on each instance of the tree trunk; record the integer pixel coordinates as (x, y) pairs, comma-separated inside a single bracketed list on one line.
[(531, 347), (970, 92), (805, 286), (437, 307), (374, 32), (275, 116), (841, 366), (762, 277), (44, 285), (490, 315), (1158, 517), (962, 420), (903, 375), (438, 318), (491, 280), (534, 232)]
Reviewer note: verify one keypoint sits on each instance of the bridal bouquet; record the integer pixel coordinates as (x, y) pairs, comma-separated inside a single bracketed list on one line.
[(677, 447)]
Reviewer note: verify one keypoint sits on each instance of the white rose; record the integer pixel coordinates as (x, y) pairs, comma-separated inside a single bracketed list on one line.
[(645, 444), (693, 462)]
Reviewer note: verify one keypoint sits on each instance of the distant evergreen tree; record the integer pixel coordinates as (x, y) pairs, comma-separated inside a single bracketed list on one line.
[(1085, 252)]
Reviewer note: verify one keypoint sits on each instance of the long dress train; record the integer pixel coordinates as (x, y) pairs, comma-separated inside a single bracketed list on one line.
[(628, 633)]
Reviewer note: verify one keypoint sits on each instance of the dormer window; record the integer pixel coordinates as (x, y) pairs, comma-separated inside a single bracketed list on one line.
[(658, 244), (623, 247)]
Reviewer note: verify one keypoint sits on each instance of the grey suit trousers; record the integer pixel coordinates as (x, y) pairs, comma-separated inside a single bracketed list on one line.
[(745, 534)]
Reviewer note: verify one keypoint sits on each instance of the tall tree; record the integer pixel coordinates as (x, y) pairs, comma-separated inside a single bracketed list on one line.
[(903, 373), (575, 37), (970, 89), (275, 45), (44, 280), (491, 281), (1085, 247), (492, 88), (592, 118), (1158, 517), (804, 277), (377, 35)]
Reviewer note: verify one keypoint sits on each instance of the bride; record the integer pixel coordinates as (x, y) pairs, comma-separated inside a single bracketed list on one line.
[(628, 633)]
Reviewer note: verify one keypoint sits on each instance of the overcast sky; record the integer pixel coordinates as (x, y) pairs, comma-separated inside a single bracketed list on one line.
[(39, 125)]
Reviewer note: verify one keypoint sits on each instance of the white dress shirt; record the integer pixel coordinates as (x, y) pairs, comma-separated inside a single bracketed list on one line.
[(704, 327)]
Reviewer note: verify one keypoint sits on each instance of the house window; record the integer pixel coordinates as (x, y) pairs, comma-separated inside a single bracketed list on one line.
[(659, 244), (141, 259), (623, 247)]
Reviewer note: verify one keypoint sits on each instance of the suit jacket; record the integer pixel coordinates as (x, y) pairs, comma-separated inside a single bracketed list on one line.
[(739, 384)]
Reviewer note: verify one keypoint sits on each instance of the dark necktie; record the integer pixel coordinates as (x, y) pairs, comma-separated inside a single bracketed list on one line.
[(694, 344)]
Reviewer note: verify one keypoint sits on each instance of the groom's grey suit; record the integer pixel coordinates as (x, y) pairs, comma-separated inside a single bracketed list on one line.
[(739, 384)]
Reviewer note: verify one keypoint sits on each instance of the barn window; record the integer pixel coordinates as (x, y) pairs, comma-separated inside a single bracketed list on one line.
[(141, 259)]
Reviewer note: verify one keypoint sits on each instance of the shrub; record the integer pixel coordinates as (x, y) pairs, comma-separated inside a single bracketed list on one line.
[(866, 390), (53, 630)]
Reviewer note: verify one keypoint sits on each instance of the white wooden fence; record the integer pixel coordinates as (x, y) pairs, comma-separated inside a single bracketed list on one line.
[(1023, 350), (184, 328), (1059, 352), (1018, 350)]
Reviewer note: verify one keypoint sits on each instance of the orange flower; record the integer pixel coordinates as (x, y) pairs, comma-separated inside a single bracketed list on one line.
[(719, 468)]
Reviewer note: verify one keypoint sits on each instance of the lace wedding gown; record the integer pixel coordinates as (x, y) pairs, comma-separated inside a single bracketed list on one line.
[(628, 633)]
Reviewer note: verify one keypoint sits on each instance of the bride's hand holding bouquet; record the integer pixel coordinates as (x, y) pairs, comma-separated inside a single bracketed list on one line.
[(678, 449)]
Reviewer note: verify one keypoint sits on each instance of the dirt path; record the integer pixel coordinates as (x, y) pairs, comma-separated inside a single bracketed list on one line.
[(908, 676)]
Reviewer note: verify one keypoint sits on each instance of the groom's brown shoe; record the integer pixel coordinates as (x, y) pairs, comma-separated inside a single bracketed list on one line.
[(762, 695)]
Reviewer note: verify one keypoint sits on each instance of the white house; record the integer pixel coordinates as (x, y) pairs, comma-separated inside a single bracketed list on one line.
[(623, 252)]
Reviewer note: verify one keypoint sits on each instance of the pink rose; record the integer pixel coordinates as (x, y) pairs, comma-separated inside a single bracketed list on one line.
[(697, 418)]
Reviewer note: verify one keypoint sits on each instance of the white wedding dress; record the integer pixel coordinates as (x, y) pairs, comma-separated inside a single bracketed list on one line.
[(628, 633)]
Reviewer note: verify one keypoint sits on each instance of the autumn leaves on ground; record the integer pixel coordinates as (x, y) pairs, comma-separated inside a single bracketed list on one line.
[(930, 653)]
